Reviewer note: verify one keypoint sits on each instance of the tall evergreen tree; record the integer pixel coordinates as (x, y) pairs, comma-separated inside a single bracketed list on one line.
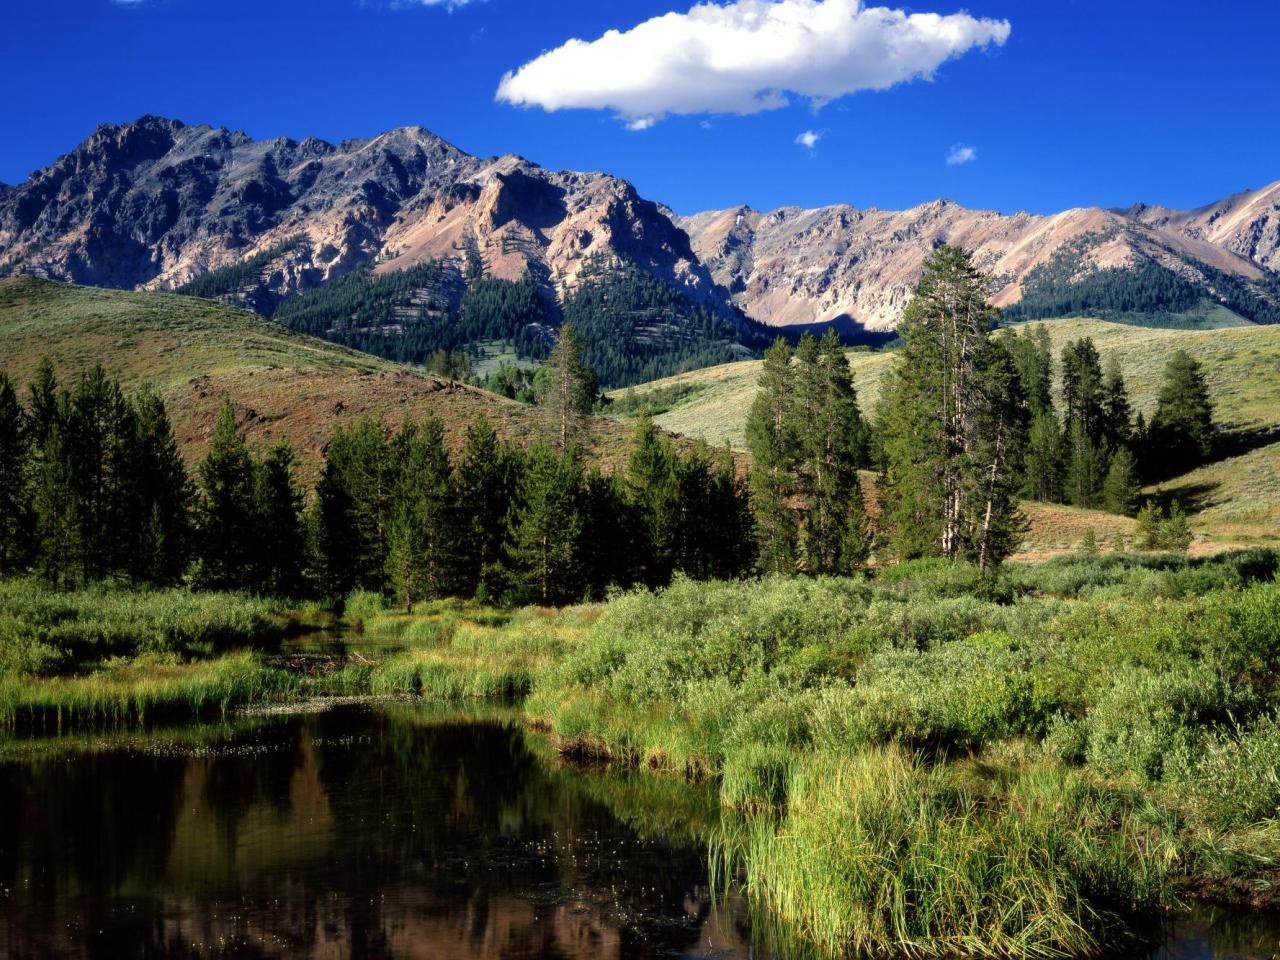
[(774, 450), (1032, 353), (280, 556), (547, 526), (424, 541), (98, 431), (955, 425), (160, 498), (1086, 467), (56, 507), (1043, 468), (485, 485), (568, 390), (831, 440), (228, 533), (995, 452), (1082, 391), (355, 506), (43, 403), (15, 510), (607, 552), (1182, 431), (1121, 489), (1117, 413), (653, 490)]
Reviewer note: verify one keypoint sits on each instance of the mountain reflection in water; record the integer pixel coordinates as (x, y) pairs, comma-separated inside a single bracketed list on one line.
[(354, 832)]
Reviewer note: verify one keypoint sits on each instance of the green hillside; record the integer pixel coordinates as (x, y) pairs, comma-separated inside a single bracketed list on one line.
[(284, 384), (1236, 500)]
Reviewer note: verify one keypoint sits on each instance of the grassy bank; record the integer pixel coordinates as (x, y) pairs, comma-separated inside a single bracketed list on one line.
[(927, 764)]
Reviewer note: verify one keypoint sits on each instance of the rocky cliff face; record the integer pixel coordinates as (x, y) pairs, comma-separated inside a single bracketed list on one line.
[(154, 203), (796, 266)]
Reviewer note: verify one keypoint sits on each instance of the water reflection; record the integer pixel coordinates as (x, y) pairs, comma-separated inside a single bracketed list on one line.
[(356, 832)]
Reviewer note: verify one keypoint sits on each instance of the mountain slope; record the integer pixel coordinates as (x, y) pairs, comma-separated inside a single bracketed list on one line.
[(155, 203), (1247, 224), (796, 266), (284, 385)]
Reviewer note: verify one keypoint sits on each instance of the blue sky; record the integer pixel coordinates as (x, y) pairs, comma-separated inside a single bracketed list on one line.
[(1084, 102)]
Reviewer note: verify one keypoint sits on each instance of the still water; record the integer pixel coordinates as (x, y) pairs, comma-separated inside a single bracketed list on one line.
[(374, 831)]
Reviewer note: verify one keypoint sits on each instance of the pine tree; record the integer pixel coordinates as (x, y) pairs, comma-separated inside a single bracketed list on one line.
[(654, 495), (729, 531), (56, 507), (774, 451), (15, 512), (97, 432), (1147, 529), (1082, 391), (228, 535), (1085, 467), (1121, 489), (1175, 532), (160, 496), (547, 526), (43, 404), (1032, 353), (994, 453), (1117, 413), (954, 430), (424, 540), (485, 485), (831, 446), (1182, 430), (355, 506), (569, 390), (608, 531), (1044, 459), (280, 555)]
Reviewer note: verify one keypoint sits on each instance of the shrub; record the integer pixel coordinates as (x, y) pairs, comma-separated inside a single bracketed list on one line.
[(1234, 778), (1145, 718)]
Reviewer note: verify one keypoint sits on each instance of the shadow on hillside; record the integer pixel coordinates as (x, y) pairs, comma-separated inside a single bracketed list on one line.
[(1236, 443), (851, 332), (1192, 497)]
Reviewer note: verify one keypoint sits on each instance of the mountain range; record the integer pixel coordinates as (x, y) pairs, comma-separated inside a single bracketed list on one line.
[(154, 204)]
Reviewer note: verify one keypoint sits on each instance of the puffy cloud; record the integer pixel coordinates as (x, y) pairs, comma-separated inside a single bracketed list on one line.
[(746, 56), (809, 139), (960, 155)]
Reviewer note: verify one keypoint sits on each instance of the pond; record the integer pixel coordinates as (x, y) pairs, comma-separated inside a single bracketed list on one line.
[(386, 830)]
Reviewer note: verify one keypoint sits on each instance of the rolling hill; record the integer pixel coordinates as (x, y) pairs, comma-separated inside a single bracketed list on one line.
[(1236, 500), (284, 385)]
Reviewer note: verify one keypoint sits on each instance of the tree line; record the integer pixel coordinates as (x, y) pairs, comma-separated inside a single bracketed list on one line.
[(93, 488), (92, 485)]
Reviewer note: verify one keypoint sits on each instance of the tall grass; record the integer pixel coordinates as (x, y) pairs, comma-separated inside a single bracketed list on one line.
[(43, 632), (141, 692), (879, 854)]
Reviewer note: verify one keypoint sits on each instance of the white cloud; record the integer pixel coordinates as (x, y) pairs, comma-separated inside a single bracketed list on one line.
[(746, 56), (809, 139), (960, 155)]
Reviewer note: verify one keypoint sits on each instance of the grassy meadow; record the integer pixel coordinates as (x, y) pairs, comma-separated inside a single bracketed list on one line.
[(925, 762)]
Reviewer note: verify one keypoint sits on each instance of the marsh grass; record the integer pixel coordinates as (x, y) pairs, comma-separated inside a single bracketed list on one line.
[(880, 854), (142, 691), (43, 632)]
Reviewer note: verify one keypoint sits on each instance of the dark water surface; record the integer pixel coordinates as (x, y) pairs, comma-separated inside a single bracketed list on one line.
[(373, 831)]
